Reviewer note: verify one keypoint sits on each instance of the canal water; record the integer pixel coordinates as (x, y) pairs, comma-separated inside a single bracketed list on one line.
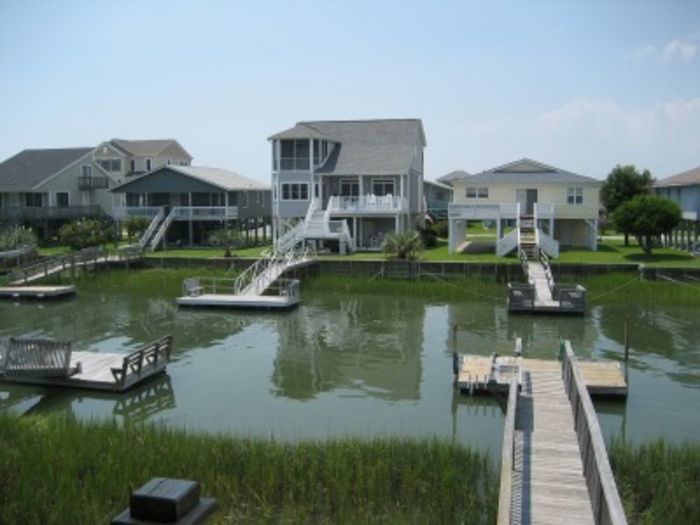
[(360, 365)]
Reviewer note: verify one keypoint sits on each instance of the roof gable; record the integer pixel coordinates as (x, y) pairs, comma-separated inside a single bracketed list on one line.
[(147, 148), (365, 147), (31, 167), (528, 171)]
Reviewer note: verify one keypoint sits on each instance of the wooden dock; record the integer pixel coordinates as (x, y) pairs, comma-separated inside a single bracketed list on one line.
[(265, 302), (554, 464), (478, 374), (107, 371), (36, 292)]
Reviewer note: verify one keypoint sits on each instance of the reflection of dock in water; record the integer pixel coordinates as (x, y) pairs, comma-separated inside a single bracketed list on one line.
[(136, 405)]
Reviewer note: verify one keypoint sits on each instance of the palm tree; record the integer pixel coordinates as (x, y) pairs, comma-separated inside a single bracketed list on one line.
[(405, 245)]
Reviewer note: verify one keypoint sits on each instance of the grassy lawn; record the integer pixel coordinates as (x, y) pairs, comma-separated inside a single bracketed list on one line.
[(614, 251), (610, 251)]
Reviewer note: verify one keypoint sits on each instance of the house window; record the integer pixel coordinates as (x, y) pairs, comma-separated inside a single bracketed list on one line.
[(149, 164), (133, 165), (168, 162), (34, 200), (87, 170), (574, 195), (477, 193), (62, 199), (383, 187), (295, 192), (110, 164), (349, 188)]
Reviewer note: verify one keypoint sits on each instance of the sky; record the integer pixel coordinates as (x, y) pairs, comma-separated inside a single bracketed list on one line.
[(581, 85)]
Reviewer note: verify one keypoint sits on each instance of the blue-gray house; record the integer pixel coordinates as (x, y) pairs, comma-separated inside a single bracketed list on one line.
[(684, 189)]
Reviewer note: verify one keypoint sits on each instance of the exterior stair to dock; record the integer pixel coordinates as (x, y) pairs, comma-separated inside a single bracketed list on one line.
[(528, 237)]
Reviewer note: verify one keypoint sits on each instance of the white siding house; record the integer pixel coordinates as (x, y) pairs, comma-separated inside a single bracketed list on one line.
[(346, 182), (559, 206)]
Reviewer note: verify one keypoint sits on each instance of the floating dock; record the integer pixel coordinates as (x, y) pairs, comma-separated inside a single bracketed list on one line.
[(273, 302), (36, 292), (110, 372), (493, 374)]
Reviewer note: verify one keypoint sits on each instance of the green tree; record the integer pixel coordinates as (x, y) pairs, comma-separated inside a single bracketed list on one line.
[(622, 184), (406, 245), (17, 237), (227, 238), (86, 232), (135, 226), (646, 217)]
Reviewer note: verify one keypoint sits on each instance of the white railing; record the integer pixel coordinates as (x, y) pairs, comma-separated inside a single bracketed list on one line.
[(205, 212), (124, 212), (543, 210), (507, 243), (260, 275), (366, 204), (548, 244), (162, 230), (483, 211), (343, 231), (143, 241)]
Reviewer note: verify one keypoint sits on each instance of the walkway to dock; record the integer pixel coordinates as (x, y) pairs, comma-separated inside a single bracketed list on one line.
[(554, 464), (91, 258)]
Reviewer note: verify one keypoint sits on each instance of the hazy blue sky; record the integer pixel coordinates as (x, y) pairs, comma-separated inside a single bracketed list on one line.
[(580, 85)]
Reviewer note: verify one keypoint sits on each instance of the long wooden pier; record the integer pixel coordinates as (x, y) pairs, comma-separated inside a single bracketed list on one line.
[(554, 464)]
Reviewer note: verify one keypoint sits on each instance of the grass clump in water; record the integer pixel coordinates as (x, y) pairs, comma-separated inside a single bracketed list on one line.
[(55, 470), (658, 482)]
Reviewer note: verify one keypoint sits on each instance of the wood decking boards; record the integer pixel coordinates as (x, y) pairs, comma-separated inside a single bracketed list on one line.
[(96, 373), (551, 483)]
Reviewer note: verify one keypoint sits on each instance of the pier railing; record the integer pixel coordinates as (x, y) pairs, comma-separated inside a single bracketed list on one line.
[(508, 455), (149, 357), (36, 357), (602, 490)]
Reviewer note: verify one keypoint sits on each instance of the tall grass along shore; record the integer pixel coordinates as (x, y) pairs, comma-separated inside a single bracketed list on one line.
[(55, 470), (658, 482)]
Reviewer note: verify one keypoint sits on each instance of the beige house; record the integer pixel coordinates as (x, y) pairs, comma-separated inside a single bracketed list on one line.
[(558, 207)]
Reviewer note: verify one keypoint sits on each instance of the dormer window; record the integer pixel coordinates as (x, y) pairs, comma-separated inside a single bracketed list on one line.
[(133, 165), (149, 164)]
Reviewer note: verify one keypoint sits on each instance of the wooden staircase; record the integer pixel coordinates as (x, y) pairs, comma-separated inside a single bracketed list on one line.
[(528, 237)]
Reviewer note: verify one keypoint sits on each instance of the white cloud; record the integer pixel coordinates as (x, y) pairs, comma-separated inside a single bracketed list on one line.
[(680, 50), (677, 50)]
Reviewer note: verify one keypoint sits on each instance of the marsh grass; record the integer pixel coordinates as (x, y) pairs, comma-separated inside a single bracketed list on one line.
[(55, 470), (432, 289), (628, 288), (658, 482)]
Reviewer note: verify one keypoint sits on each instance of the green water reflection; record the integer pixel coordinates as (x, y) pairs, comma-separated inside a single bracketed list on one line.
[(358, 365)]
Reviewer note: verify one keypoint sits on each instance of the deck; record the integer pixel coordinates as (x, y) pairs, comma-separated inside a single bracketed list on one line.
[(36, 292), (107, 371), (554, 464), (271, 302), (488, 374)]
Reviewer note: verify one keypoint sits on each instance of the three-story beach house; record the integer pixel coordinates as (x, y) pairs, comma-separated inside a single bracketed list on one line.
[(346, 183), (534, 207)]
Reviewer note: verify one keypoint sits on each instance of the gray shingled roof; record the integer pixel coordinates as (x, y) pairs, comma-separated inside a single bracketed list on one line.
[(686, 178), (145, 148), (438, 184), (29, 168), (453, 175), (221, 178), (367, 147), (529, 171)]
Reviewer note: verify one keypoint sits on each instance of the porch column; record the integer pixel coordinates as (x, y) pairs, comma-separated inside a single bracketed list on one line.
[(396, 223), (226, 210), (401, 186), (189, 223), (499, 228)]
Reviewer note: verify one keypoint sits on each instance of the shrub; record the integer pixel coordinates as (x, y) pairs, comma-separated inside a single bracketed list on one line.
[(406, 245), (17, 237), (86, 232), (442, 229), (135, 226)]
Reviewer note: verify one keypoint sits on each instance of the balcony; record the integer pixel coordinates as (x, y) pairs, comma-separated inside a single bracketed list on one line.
[(93, 183), (50, 212), (368, 204), (179, 213)]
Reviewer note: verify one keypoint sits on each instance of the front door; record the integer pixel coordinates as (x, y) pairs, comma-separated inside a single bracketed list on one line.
[(527, 199)]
